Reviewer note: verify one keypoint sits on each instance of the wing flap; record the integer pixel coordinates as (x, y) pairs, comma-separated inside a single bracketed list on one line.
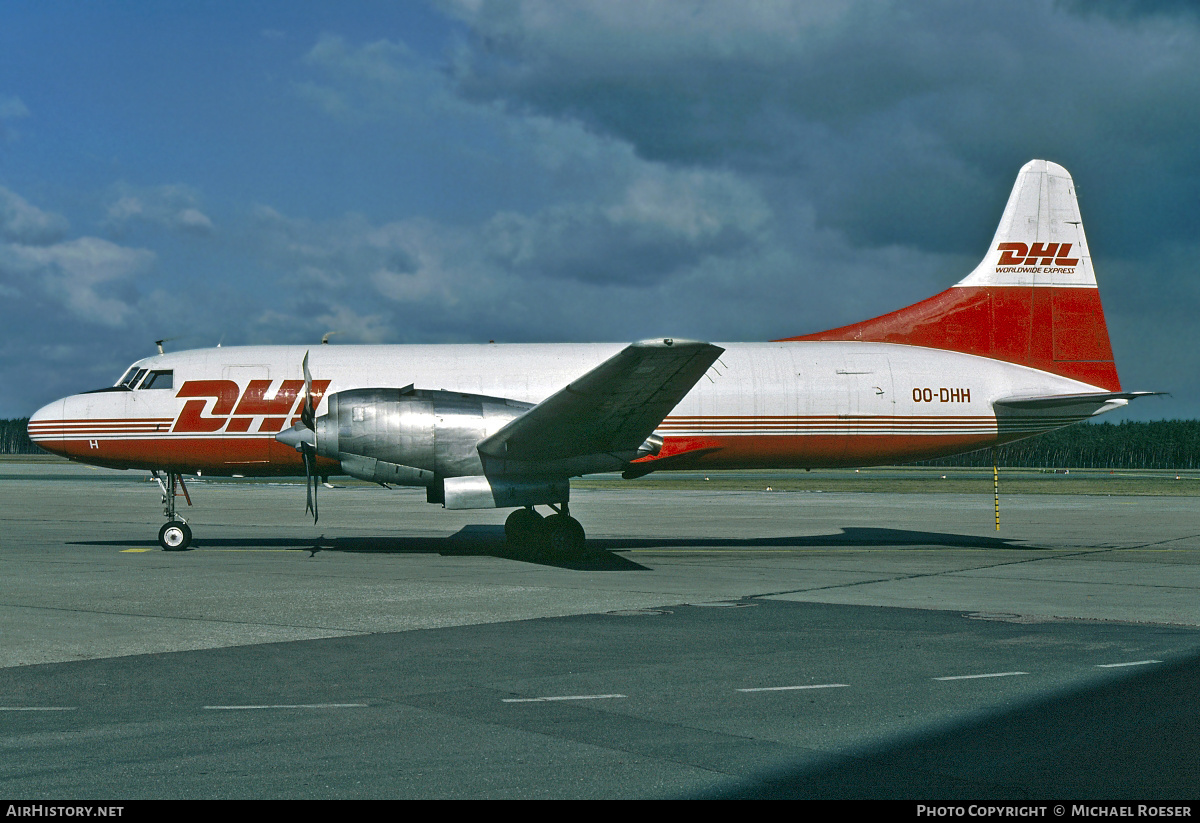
[(612, 408)]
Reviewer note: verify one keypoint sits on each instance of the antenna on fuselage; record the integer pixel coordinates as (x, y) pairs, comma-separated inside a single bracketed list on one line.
[(325, 337), (159, 343)]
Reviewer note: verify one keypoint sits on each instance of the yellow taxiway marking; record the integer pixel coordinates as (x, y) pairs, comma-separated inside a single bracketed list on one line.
[(136, 551)]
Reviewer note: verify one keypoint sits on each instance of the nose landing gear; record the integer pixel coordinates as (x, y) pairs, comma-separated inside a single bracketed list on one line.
[(175, 535)]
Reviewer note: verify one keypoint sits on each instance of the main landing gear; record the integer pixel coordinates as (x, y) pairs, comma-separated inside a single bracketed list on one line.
[(175, 535), (558, 535)]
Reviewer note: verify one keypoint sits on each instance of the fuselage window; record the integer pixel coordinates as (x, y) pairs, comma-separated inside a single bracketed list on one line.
[(159, 380)]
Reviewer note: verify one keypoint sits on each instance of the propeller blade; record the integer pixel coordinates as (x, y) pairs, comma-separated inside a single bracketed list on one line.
[(303, 438), (308, 411), (310, 480)]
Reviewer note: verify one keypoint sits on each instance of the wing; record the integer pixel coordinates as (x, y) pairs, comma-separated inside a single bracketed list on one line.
[(612, 408)]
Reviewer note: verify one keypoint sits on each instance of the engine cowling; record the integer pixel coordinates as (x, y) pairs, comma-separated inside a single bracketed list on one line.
[(410, 436)]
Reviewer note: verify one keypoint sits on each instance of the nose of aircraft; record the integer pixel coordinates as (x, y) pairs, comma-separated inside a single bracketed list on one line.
[(46, 427)]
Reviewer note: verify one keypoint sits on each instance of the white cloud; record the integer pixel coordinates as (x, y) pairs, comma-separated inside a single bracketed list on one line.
[(74, 273), (880, 113), (366, 82), (662, 223), (22, 222), (172, 207), (12, 108)]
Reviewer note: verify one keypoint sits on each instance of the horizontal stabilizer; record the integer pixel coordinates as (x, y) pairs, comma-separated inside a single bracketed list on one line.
[(1055, 401), (1034, 414), (611, 409)]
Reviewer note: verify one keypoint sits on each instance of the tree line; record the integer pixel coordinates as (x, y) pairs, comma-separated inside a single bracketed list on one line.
[(1161, 444), (14, 439)]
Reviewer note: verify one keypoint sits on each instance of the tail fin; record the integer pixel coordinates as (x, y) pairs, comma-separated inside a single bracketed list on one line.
[(1032, 301)]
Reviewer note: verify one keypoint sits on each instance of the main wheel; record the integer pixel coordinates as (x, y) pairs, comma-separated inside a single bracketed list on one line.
[(524, 529), (566, 535), (175, 536)]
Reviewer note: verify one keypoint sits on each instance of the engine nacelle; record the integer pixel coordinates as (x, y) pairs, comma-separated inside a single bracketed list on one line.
[(503, 492), (410, 436)]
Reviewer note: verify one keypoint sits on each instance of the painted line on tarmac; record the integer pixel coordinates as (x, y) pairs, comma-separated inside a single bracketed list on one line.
[(38, 708), (870, 550), (1121, 665), (796, 688), (287, 706), (977, 676), (564, 697)]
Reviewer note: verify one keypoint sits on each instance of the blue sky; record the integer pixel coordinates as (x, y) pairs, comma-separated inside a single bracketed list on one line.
[(541, 170)]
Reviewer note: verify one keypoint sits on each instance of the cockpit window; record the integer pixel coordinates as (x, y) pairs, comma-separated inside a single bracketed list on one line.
[(159, 380), (127, 378), (131, 380)]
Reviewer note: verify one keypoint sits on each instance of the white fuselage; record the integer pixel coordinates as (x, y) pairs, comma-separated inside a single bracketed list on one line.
[(787, 404)]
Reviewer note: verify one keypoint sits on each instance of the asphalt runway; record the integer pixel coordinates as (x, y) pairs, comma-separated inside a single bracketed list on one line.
[(748, 644)]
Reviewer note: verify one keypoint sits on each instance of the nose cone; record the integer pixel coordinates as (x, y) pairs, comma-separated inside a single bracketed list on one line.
[(296, 435), (47, 427)]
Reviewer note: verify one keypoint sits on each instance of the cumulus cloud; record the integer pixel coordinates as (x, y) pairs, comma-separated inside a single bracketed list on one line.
[(664, 222), (82, 276), (894, 119), (12, 109), (363, 83), (74, 273), (172, 207), (22, 222)]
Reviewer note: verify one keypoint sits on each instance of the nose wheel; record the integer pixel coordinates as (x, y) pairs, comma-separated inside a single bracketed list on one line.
[(175, 535)]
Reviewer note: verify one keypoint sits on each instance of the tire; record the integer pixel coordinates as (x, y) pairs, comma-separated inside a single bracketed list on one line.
[(175, 536), (566, 537), (524, 528)]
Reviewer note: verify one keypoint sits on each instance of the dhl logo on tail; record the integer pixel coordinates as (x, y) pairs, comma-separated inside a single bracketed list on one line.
[(1051, 254)]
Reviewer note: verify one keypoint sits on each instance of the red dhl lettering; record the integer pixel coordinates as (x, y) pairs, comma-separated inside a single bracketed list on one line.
[(1050, 254), (234, 410)]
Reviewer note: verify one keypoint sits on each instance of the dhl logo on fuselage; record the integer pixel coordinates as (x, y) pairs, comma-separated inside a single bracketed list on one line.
[(235, 410), (1051, 254)]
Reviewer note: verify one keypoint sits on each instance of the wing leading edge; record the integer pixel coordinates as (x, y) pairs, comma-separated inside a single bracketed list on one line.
[(613, 408)]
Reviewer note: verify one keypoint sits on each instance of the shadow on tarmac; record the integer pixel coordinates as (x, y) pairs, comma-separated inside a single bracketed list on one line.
[(1136, 738), (852, 537), (602, 555), (470, 541)]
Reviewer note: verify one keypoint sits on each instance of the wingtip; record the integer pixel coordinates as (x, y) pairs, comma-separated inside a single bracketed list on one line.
[(674, 343)]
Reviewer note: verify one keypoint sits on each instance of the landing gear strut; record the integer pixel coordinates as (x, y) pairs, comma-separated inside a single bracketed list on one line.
[(558, 535), (175, 535)]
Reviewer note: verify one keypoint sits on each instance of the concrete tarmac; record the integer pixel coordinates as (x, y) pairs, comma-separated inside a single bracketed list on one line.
[(716, 644)]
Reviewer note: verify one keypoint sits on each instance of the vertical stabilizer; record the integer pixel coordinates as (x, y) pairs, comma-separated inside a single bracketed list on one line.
[(1033, 299)]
